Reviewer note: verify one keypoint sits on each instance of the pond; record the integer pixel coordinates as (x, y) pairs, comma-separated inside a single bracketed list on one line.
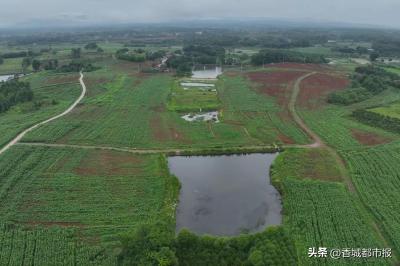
[(209, 116), (226, 195), (5, 77), (196, 84), (207, 73)]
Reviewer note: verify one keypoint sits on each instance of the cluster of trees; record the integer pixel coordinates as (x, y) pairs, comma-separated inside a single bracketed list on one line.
[(13, 92), (349, 96), (157, 245), (77, 67), (367, 81), (93, 46), (76, 53), (183, 61), (377, 120), (154, 55), (182, 64), (360, 50), (205, 54), (387, 47), (278, 39), (268, 56), (50, 64), (139, 54), (17, 54)]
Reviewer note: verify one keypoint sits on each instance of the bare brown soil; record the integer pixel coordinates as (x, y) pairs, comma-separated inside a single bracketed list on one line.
[(109, 163), (319, 164), (162, 132), (277, 84), (303, 67), (369, 138), (285, 139), (59, 79)]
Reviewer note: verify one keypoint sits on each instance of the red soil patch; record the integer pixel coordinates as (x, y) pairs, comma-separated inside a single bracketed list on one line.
[(131, 67), (232, 73), (285, 139), (314, 89), (94, 85), (60, 79), (162, 132), (368, 138), (109, 163), (277, 84), (303, 67)]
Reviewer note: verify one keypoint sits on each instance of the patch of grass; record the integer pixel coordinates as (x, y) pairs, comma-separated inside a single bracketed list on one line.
[(12, 66), (192, 99), (392, 110), (307, 163)]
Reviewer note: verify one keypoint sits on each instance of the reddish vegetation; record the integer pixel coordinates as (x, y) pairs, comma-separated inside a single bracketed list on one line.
[(368, 138), (162, 132), (314, 89), (277, 84), (109, 163)]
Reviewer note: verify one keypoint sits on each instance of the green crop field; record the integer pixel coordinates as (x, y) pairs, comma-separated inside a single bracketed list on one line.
[(395, 70), (131, 111), (320, 212), (93, 187), (52, 96), (192, 99), (47, 246), (392, 110), (99, 193), (375, 173), (371, 156), (11, 66)]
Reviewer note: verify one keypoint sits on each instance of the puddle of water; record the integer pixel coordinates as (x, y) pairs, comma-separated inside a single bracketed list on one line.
[(207, 73), (226, 195), (209, 116)]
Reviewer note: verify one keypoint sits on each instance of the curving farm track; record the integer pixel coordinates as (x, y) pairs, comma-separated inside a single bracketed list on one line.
[(23, 133)]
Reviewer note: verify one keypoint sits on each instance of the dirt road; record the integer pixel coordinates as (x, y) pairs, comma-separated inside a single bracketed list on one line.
[(292, 108), (23, 133)]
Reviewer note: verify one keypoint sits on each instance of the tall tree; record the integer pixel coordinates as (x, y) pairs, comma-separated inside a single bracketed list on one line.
[(26, 62), (76, 52), (36, 65)]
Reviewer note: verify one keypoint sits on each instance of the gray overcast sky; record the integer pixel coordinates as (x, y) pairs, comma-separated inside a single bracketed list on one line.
[(374, 12)]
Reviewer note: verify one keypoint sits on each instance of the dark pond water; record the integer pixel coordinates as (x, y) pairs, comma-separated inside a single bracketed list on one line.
[(226, 195)]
